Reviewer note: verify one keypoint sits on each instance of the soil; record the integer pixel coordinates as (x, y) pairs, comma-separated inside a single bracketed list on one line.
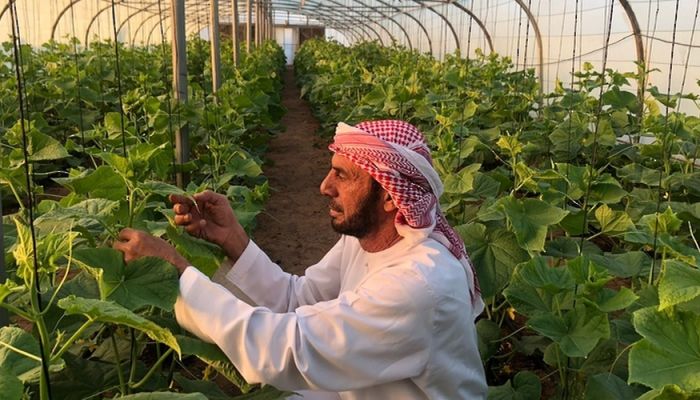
[(295, 229)]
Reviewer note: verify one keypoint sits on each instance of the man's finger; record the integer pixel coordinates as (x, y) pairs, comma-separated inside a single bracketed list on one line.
[(181, 208), (208, 196), (176, 198), (126, 234), (121, 246), (183, 219)]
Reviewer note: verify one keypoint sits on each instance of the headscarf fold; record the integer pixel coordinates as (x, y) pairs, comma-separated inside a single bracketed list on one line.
[(396, 155)]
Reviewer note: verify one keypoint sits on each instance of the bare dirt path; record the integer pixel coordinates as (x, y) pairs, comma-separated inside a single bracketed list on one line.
[(295, 228)]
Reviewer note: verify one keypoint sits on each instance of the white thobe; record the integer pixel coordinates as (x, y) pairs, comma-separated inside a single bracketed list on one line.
[(395, 324)]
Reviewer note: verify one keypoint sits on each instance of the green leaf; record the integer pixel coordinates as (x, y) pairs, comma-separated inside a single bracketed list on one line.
[(266, 393), (624, 265), (530, 219), (102, 182), (678, 284), (610, 387), (488, 334), (147, 281), (670, 350), (11, 361), (609, 300), (165, 396), (40, 146), (208, 388), (163, 189), (530, 300), (524, 386), (576, 332), (494, 255), (10, 386), (200, 253), (462, 181), (636, 173), (110, 312), (609, 193), (612, 222), (670, 392), (667, 222)]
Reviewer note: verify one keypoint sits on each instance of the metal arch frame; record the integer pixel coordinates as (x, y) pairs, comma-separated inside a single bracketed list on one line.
[(408, 38), (361, 26), (632, 17), (411, 16), (59, 17), (127, 19), (478, 22), (143, 22), (538, 38), (449, 24)]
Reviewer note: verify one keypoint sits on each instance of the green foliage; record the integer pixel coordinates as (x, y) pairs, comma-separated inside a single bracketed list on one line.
[(577, 207), (116, 170)]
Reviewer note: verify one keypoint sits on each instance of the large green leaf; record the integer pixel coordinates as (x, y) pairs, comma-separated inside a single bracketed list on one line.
[(11, 361), (200, 253), (670, 392), (670, 350), (110, 312), (530, 300), (612, 222), (147, 281), (103, 182), (678, 284), (462, 181), (610, 387), (10, 386), (524, 386), (39, 146), (576, 332), (494, 255), (208, 388), (636, 173), (165, 396), (624, 265), (530, 219)]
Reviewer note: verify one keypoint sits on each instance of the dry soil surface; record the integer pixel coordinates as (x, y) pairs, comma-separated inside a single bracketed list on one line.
[(295, 228)]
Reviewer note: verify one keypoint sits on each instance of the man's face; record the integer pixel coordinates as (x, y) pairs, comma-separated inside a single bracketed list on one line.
[(354, 198)]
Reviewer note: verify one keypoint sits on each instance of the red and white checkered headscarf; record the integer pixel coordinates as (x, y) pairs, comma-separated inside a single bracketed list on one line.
[(396, 155)]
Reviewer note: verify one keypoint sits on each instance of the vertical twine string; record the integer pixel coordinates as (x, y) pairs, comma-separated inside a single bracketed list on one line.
[(664, 144), (19, 75), (119, 78)]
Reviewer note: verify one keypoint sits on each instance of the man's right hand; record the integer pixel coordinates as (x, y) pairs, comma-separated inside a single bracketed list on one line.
[(211, 219)]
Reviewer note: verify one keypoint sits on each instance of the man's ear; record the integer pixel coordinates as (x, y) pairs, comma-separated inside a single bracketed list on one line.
[(388, 202)]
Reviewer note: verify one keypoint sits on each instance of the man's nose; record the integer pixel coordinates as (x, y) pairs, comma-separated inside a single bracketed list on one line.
[(325, 187)]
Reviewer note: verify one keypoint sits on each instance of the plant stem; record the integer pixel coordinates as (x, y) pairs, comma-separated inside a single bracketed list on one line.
[(20, 351), (16, 311), (122, 384), (132, 372), (72, 339), (152, 370)]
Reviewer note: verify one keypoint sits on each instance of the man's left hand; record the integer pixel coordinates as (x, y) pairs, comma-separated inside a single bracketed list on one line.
[(136, 244)]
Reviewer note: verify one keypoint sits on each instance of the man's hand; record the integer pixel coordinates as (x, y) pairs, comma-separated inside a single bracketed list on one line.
[(136, 244), (211, 219)]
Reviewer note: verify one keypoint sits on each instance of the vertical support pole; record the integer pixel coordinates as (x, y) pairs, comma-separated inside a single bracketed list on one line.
[(4, 319), (234, 32), (215, 47), (257, 22), (182, 145), (247, 25)]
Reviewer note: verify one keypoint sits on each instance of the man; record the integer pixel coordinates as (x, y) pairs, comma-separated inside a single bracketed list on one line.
[(388, 313)]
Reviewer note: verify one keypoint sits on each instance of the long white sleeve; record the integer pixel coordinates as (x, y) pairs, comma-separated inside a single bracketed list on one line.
[(379, 333)]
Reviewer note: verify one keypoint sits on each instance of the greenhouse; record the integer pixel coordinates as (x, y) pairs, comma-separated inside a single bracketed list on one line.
[(350, 199)]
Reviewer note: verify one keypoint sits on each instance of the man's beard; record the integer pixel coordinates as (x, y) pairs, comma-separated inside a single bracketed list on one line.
[(365, 219)]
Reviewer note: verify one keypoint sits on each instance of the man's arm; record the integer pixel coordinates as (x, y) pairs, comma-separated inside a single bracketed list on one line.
[(380, 333), (258, 281)]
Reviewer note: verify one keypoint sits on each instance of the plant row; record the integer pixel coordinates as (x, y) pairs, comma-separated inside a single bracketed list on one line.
[(579, 209), (77, 170)]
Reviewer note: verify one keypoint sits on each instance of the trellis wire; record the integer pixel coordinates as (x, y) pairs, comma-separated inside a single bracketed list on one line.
[(599, 109), (77, 78), (571, 90), (527, 37), (664, 144), (119, 77), (517, 49), (165, 85), (16, 43)]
